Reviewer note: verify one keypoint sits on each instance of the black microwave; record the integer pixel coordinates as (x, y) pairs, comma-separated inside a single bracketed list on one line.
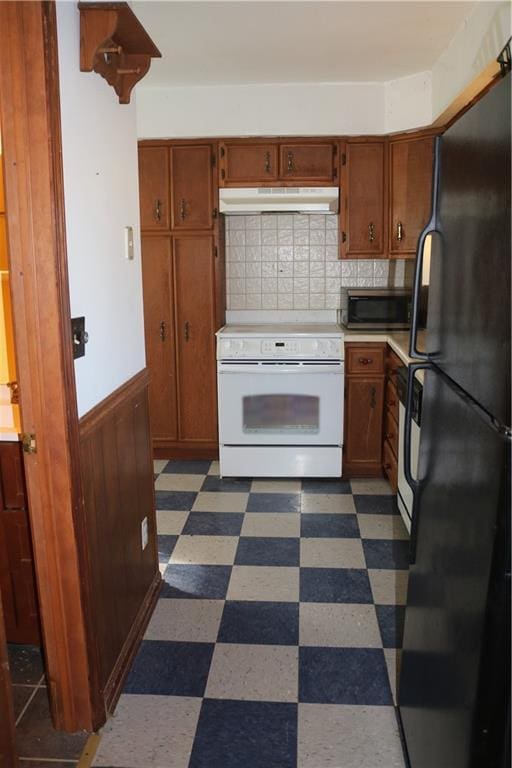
[(376, 308)]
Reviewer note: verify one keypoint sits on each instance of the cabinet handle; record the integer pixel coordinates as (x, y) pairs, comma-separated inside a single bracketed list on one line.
[(373, 400), (389, 435), (371, 232), (158, 210), (343, 237), (162, 331), (366, 360), (215, 213), (391, 402), (267, 162), (387, 466), (187, 330), (290, 161), (399, 231), (183, 210)]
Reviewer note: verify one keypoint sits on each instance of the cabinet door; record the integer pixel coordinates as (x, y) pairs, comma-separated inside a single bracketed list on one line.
[(247, 164), (364, 193), (411, 170), (159, 332), (363, 426), (192, 187), (194, 285), (17, 577), (154, 188), (308, 162)]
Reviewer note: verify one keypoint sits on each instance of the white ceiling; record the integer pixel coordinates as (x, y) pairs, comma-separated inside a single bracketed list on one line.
[(228, 43)]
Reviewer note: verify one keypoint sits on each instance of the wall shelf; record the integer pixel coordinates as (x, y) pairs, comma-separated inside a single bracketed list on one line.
[(114, 44)]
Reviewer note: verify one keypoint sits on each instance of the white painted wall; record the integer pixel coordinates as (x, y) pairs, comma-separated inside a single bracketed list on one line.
[(408, 102), (260, 110), (476, 44), (101, 196)]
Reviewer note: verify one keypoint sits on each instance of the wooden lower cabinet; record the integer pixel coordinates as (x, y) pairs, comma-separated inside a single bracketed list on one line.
[(17, 576), (181, 317), (391, 446), (364, 406)]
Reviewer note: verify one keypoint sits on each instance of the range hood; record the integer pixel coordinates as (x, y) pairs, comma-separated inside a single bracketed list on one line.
[(279, 199)]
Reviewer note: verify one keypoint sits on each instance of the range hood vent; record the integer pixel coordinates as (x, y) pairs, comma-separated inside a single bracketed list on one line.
[(246, 200)]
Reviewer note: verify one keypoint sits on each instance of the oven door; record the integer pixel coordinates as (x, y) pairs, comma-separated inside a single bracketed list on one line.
[(275, 403)]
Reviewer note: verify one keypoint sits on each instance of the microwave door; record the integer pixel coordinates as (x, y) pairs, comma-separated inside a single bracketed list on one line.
[(379, 311)]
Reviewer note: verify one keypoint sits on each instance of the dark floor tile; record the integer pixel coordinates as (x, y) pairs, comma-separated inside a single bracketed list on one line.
[(21, 694), (187, 467), (196, 581), (180, 501), (37, 737), (321, 525), (335, 585), (256, 550), (245, 734), (274, 502), (325, 485), (25, 663), (343, 676), (237, 484), (391, 624), (376, 505), (259, 623), (170, 668), (383, 553), (166, 545), (214, 524)]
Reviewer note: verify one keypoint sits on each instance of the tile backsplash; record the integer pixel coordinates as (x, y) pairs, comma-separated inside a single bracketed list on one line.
[(290, 261)]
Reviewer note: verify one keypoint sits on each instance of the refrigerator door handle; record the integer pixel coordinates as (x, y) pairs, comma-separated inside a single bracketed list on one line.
[(414, 483), (429, 229)]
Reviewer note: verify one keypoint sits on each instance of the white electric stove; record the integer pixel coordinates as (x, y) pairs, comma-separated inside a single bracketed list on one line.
[(280, 390)]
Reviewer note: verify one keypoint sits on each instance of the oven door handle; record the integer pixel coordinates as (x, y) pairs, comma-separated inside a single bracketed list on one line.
[(333, 369)]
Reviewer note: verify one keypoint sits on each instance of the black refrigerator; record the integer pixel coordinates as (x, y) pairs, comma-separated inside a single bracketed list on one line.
[(454, 690)]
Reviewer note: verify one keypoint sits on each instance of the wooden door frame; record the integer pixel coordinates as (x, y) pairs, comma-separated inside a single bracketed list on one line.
[(8, 755), (32, 149)]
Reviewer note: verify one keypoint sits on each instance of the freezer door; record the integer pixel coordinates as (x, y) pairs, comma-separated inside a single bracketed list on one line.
[(468, 328), (454, 677)]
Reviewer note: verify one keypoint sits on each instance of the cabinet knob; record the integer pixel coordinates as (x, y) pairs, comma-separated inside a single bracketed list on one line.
[(366, 360), (371, 232), (391, 402), (399, 231), (389, 435)]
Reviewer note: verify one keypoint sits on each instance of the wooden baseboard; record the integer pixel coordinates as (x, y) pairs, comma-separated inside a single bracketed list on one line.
[(168, 449), (116, 681)]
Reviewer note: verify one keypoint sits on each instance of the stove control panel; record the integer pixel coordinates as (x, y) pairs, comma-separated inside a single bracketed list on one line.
[(255, 348)]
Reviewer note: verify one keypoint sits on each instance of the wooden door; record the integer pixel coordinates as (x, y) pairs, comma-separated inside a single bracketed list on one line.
[(363, 424), (194, 286), (363, 194), (154, 188), (247, 164), (192, 187), (8, 758), (157, 280), (411, 168), (312, 162), (17, 576)]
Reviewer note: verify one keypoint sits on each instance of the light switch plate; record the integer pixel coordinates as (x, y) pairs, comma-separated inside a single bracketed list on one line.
[(128, 243)]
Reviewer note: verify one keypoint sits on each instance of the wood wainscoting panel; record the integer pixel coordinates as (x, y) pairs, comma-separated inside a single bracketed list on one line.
[(117, 477)]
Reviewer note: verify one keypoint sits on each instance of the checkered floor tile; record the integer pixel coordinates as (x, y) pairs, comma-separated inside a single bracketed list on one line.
[(275, 641)]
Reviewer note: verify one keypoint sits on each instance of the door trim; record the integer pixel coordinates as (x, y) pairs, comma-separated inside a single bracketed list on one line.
[(30, 101)]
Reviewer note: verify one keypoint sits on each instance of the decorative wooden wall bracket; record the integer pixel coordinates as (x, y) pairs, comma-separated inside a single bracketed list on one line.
[(114, 44)]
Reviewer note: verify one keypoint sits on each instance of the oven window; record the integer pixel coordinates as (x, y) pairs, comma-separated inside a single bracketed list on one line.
[(281, 414)]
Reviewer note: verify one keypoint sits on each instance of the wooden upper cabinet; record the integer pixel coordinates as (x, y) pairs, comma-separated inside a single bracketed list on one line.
[(192, 200), (154, 188), (195, 336), (410, 185), (157, 282), (311, 162), (363, 193), (247, 164)]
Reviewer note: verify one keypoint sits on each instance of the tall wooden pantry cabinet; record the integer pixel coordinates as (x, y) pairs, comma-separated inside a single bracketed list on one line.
[(183, 283)]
